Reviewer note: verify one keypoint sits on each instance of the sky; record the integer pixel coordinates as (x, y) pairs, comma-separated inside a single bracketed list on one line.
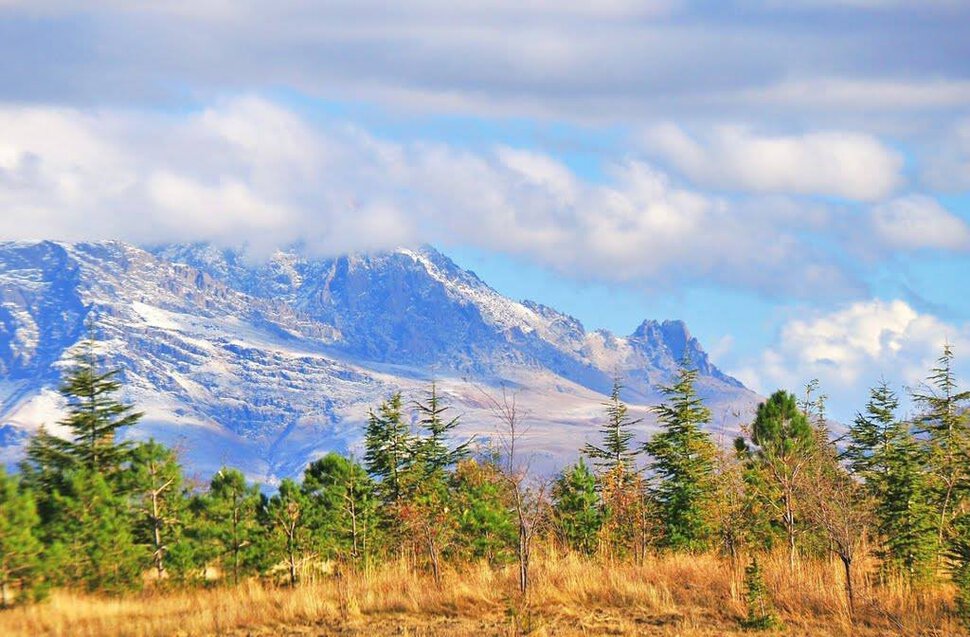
[(790, 177)]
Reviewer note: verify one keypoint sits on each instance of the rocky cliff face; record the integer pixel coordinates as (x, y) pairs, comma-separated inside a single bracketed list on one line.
[(267, 365)]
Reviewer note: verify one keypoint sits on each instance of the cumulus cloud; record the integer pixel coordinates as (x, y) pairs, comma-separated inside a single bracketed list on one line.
[(919, 222), (250, 171), (851, 165), (851, 348)]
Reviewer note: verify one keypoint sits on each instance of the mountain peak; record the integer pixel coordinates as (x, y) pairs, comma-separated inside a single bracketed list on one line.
[(278, 360)]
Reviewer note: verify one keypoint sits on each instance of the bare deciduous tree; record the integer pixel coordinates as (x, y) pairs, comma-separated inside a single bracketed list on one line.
[(527, 494), (840, 509)]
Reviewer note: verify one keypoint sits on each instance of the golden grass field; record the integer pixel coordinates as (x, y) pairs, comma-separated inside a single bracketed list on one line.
[(668, 595)]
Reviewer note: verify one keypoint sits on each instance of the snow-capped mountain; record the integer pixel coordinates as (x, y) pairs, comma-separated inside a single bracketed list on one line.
[(266, 365)]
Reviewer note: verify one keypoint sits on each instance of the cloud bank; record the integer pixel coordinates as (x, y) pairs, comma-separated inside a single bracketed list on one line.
[(250, 171)]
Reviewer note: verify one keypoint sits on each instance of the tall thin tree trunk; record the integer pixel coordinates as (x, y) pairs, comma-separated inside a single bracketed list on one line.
[(157, 532), (790, 530), (523, 558), (433, 554), (849, 591)]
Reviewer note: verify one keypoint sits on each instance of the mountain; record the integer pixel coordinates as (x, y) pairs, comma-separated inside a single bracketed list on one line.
[(266, 365)]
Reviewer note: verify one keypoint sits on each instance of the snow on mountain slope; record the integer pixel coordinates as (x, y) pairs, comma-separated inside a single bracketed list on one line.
[(268, 365)]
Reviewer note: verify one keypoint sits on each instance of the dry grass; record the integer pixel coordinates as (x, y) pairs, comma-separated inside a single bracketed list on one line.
[(669, 595)]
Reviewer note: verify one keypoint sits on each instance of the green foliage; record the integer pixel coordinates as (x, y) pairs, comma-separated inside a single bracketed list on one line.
[(683, 466), (616, 451), (786, 444), (885, 454), (389, 445), (287, 514), (160, 505), (91, 536), (959, 553), (230, 525), (94, 418), (781, 430), (21, 570), (870, 436), (576, 508), (432, 449), (761, 610), (342, 507), (945, 424), (486, 527)]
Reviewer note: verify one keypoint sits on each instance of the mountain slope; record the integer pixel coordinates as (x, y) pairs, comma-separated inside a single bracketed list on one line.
[(267, 365)]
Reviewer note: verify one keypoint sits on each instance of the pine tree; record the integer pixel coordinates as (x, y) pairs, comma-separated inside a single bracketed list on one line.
[(959, 554), (433, 447), (486, 528), (786, 445), (287, 514), (91, 535), (945, 423), (231, 525), (616, 452), (94, 418), (342, 507), (20, 549), (155, 482), (576, 508), (761, 611), (683, 465), (884, 453), (868, 450), (389, 447)]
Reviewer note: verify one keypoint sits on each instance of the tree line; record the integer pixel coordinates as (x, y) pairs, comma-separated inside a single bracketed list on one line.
[(89, 511)]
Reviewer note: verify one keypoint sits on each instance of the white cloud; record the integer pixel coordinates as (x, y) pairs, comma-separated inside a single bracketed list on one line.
[(917, 222), (851, 165), (247, 170), (851, 348)]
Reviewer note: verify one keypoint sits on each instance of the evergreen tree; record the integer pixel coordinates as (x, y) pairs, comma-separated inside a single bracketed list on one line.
[(683, 465), (869, 447), (786, 444), (616, 452), (433, 447), (91, 535), (959, 554), (342, 507), (94, 418), (155, 482), (486, 527), (287, 514), (389, 445), (230, 524), (884, 453), (576, 508), (20, 549), (945, 423), (761, 610)]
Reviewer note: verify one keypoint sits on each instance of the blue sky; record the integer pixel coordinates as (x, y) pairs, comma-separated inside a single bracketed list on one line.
[(790, 178)]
